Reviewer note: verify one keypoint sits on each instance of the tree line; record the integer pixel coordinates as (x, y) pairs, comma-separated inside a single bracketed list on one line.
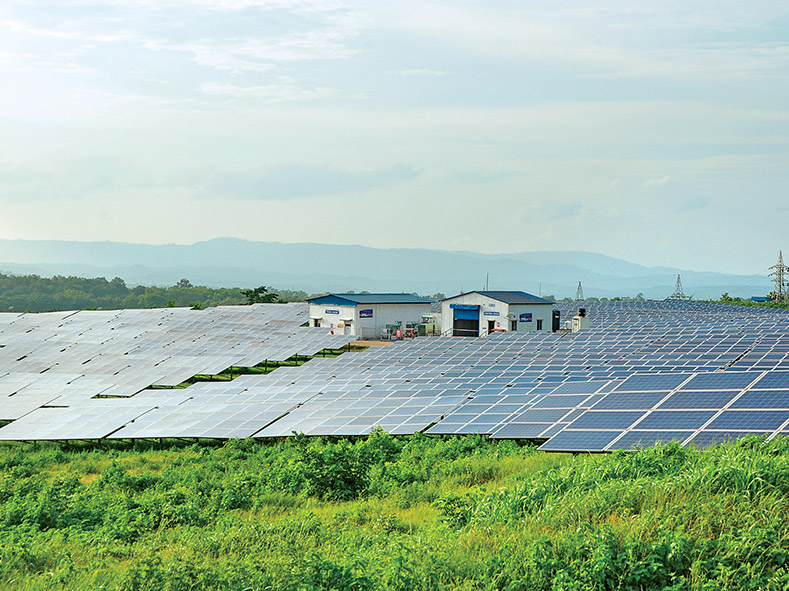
[(32, 293)]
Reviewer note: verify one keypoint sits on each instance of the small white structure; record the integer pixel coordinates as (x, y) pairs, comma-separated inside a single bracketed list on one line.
[(479, 313), (369, 315), (580, 321)]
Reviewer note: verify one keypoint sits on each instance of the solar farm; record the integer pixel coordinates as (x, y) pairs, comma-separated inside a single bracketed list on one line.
[(645, 372)]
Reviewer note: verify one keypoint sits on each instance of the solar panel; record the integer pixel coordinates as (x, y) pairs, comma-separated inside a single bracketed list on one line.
[(668, 364), (636, 439), (671, 420)]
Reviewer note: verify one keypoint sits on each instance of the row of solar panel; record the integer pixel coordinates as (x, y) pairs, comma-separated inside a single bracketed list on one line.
[(505, 386)]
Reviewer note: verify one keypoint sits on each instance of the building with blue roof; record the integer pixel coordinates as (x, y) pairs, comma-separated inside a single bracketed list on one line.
[(477, 313), (368, 315)]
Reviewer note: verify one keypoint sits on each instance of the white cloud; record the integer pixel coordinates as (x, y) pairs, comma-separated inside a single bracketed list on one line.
[(616, 40), (422, 72), (270, 92), (657, 182), (578, 114)]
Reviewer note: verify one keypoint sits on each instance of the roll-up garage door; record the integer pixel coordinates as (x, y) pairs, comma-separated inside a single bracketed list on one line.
[(465, 323)]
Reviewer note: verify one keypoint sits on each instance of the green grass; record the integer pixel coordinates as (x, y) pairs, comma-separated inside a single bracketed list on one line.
[(391, 513)]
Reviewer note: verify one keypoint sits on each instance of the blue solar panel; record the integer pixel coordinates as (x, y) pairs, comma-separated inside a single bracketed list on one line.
[(719, 381), (553, 430), (541, 415), (520, 431), (774, 379), (698, 400), (572, 415), (568, 401), (762, 399), (579, 387), (630, 401), (650, 382), (606, 420), (579, 441), (666, 341), (634, 439), (444, 428), (768, 420), (593, 400), (676, 419)]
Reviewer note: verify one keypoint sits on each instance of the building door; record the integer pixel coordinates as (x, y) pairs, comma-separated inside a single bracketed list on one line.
[(465, 323), (348, 328), (491, 326)]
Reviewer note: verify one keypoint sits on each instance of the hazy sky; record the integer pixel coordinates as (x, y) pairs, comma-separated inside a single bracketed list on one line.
[(657, 132)]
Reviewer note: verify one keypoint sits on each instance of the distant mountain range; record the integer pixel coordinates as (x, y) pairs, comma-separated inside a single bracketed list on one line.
[(230, 262)]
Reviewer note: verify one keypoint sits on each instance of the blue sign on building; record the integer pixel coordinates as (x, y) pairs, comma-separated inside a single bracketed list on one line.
[(525, 317), (366, 313), (331, 311), (491, 313)]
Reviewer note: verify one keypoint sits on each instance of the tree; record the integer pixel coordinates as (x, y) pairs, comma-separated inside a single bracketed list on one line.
[(118, 286), (259, 295), (184, 283)]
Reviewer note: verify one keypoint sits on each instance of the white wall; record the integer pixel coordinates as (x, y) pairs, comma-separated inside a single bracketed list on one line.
[(499, 312), (542, 312), (327, 319), (383, 314)]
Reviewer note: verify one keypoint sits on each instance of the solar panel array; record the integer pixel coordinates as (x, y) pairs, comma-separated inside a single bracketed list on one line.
[(52, 366), (644, 372), (700, 408)]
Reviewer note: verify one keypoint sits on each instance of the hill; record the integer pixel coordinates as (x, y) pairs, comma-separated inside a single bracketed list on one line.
[(230, 262)]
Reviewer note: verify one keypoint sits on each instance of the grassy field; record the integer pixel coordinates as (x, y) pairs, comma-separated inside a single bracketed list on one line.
[(391, 513)]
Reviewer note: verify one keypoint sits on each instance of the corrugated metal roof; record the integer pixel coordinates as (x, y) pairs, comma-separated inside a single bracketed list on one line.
[(509, 297), (372, 298)]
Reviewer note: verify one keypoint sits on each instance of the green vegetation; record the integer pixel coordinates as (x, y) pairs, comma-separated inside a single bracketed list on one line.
[(259, 295), (639, 297), (391, 513), (738, 301), (40, 294)]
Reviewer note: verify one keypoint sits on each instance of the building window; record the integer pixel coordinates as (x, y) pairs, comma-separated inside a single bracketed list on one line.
[(539, 324), (514, 326)]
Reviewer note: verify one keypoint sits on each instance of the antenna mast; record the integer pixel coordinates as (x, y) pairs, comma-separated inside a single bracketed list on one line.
[(579, 293)]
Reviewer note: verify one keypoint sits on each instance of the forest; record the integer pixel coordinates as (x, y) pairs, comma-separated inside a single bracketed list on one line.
[(31, 293), (391, 513)]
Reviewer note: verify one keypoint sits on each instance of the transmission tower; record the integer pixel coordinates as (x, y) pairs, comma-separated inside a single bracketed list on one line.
[(780, 275), (678, 294), (579, 293)]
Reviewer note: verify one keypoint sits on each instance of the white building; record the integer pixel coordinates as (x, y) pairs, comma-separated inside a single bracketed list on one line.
[(479, 313), (368, 315)]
